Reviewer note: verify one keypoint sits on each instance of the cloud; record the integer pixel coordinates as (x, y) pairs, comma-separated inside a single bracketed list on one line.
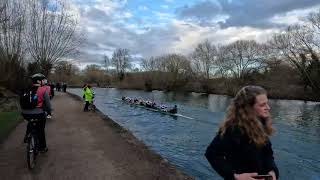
[(111, 24), (242, 13), (256, 13), (293, 17), (162, 16), (165, 6), (203, 12), (182, 37), (143, 8)]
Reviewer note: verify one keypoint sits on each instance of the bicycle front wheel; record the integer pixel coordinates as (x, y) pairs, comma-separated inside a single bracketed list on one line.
[(31, 152)]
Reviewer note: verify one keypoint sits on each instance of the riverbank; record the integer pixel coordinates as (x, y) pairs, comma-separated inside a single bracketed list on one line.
[(296, 93), (84, 145), (277, 88)]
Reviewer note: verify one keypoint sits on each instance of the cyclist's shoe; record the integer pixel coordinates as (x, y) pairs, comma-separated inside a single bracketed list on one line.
[(49, 116), (43, 150)]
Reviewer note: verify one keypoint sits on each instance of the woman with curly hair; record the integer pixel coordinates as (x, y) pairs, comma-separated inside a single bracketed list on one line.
[(241, 149)]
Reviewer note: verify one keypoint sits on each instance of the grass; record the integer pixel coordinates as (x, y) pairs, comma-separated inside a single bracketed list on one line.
[(8, 120)]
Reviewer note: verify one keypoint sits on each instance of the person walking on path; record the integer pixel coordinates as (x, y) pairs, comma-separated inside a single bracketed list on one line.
[(241, 149), (52, 89), (64, 87), (58, 86), (87, 95)]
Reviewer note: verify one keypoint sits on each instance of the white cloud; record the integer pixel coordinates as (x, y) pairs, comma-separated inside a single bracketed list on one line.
[(91, 29), (182, 37), (127, 14), (293, 17), (163, 16), (188, 35), (165, 6), (143, 8)]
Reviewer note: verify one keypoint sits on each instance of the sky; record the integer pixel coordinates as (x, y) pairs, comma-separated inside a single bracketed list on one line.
[(157, 27)]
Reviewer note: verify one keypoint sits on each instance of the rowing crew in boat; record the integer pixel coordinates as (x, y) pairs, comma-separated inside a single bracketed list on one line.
[(150, 104)]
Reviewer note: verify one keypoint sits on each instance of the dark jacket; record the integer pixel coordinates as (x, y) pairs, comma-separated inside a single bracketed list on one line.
[(234, 154)]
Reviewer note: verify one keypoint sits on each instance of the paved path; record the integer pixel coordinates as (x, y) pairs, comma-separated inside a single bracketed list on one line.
[(83, 145)]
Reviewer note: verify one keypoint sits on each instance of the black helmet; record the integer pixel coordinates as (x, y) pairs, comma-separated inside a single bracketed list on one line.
[(37, 77)]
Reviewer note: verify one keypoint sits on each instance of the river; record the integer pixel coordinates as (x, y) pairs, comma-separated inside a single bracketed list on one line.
[(183, 141)]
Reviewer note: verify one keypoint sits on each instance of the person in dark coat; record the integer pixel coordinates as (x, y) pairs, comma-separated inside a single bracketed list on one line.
[(64, 87), (58, 86), (52, 89), (242, 149)]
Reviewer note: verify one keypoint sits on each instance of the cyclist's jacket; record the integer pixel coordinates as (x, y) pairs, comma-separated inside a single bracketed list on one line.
[(48, 88), (87, 94), (43, 104)]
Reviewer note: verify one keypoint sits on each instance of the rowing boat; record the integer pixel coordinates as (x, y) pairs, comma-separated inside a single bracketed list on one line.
[(150, 105), (156, 110)]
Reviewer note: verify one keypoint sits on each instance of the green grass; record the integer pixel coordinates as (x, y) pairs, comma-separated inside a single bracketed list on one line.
[(8, 120)]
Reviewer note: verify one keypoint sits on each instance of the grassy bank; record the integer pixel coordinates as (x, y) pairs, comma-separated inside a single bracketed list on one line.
[(8, 120)]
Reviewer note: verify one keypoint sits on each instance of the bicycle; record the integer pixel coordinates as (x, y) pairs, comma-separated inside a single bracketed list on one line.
[(92, 107), (32, 144)]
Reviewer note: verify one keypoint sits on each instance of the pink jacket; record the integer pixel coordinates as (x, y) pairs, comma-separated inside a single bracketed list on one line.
[(40, 93)]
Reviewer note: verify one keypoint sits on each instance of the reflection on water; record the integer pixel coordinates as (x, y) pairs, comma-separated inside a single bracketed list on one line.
[(183, 142)]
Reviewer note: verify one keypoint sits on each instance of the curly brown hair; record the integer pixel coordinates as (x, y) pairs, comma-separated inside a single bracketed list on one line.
[(241, 113)]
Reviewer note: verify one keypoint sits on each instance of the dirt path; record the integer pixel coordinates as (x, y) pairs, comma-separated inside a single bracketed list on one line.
[(83, 146)]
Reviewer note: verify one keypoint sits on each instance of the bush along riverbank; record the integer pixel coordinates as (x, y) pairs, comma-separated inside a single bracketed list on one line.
[(279, 86)]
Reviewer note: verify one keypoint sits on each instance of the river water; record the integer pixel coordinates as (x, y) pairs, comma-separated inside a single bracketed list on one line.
[(183, 141)]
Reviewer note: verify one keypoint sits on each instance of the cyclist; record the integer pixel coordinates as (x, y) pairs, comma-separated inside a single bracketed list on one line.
[(37, 111)]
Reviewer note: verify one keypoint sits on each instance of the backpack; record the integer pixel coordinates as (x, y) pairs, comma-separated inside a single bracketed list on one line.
[(29, 98)]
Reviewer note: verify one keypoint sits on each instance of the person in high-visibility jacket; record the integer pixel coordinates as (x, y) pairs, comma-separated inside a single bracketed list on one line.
[(87, 94)]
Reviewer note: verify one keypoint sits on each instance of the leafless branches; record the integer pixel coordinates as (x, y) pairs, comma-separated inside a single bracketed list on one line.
[(51, 32), (12, 22), (121, 61)]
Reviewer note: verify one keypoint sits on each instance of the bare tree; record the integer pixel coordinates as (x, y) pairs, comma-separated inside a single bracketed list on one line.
[(106, 63), (64, 70), (3, 6), (95, 74), (241, 58), (151, 64), (297, 45), (204, 59), (121, 61), (178, 67), (314, 19), (12, 20), (314, 68), (51, 32)]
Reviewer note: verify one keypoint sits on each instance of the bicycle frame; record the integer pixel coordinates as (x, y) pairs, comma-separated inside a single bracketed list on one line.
[(91, 106)]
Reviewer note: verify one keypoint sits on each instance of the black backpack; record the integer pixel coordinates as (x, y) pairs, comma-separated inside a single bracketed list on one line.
[(29, 98)]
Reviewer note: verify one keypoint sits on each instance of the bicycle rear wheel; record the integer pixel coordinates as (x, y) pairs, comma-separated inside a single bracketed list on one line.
[(31, 152), (92, 107)]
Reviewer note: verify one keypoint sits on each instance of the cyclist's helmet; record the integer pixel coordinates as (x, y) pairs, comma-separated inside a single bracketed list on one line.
[(37, 77)]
